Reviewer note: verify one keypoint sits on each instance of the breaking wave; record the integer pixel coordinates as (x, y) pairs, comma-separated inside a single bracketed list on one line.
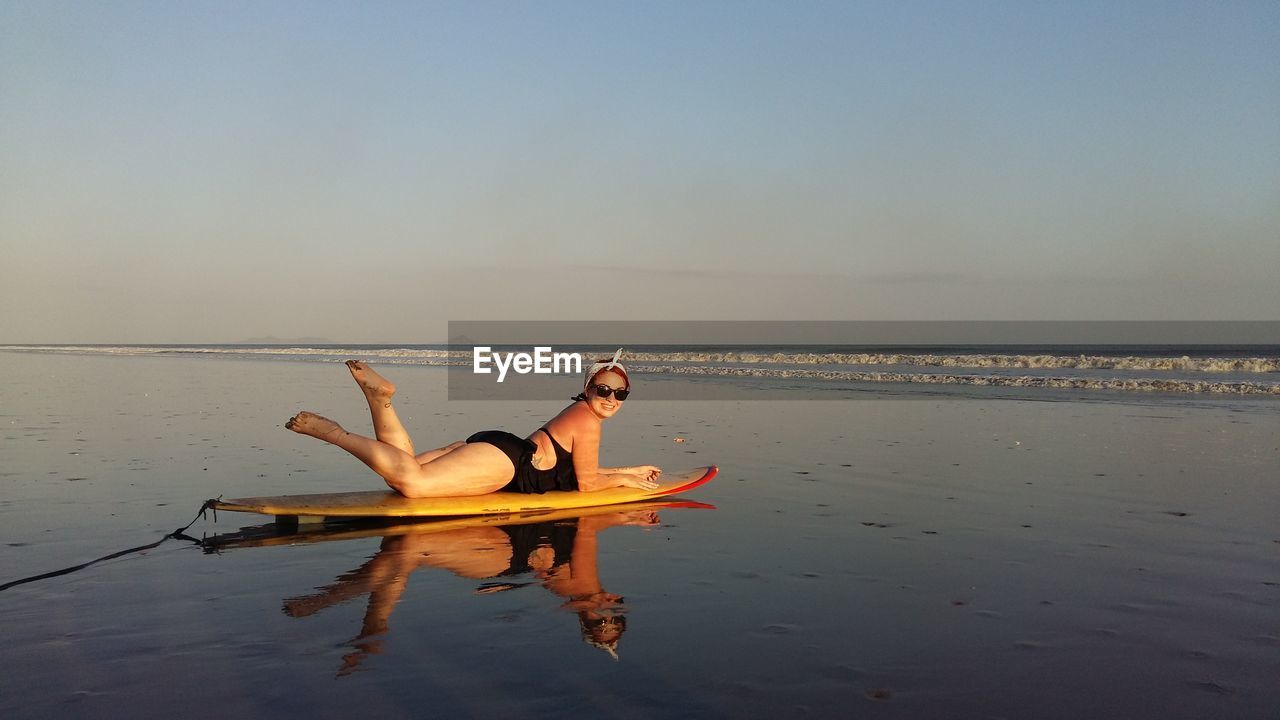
[(1025, 381), (1081, 362), (1168, 374)]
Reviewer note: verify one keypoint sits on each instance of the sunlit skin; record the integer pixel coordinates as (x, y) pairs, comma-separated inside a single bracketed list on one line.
[(459, 468), (477, 553)]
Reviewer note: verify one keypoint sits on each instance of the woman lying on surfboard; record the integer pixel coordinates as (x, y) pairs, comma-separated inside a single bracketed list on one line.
[(561, 455)]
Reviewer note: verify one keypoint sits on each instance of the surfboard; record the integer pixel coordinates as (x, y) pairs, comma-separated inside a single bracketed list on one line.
[(387, 503), (273, 535)]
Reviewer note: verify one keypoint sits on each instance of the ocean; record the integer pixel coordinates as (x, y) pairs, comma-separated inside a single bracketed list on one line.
[(920, 550)]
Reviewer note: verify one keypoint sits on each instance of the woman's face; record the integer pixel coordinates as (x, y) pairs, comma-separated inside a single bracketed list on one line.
[(606, 407)]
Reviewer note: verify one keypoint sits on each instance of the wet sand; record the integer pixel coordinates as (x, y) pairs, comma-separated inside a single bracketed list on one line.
[(1105, 554)]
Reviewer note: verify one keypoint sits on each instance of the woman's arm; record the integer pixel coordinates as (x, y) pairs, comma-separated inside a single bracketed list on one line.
[(649, 472), (592, 477), (606, 480), (633, 469)]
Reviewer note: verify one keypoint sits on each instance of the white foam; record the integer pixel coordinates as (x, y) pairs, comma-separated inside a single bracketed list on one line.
[(798, 365), (1081, 362), (1025, 381)]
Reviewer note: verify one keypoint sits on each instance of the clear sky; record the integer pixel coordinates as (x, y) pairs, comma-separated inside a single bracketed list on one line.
[(213, 171)]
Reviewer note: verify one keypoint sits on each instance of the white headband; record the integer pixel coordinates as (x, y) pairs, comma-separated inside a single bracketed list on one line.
[(599, 367)]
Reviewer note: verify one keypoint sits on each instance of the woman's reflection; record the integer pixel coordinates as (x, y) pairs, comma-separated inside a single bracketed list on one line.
[(560, 555)]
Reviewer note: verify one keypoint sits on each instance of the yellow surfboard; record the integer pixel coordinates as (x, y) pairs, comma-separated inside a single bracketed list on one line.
[(387, 503), (271, 535)]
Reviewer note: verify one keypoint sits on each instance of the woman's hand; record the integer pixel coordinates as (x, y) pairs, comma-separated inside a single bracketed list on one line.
[(636, 480), (640, 518), (648, 472)]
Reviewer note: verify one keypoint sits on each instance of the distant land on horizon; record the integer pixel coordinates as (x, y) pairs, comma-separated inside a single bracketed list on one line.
[(273, 340)]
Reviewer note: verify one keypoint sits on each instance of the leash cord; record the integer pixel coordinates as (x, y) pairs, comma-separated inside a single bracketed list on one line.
[(179, 534)]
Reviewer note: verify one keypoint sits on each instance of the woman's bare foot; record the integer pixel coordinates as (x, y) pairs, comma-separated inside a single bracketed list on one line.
[(307, 423), (373, 384)]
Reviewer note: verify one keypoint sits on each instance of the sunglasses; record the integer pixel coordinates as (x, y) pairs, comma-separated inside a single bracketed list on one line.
[(612, 621), (605, 391)]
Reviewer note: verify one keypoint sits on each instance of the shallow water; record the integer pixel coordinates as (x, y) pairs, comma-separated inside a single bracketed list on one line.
[(1102, 554)]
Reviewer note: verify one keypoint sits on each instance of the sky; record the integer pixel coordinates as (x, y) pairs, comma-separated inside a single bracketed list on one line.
[(367, 172)]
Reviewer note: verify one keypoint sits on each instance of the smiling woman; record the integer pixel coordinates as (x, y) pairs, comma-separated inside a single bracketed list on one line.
[(563, 454)]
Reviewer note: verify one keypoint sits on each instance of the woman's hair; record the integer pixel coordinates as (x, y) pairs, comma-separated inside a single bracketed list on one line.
[(615, 367)]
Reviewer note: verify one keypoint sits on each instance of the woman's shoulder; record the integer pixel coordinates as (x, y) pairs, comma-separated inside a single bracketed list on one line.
[(574, 420)]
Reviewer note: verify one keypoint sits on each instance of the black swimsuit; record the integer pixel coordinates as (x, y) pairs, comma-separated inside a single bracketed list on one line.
[(526, 538), (527, 478)]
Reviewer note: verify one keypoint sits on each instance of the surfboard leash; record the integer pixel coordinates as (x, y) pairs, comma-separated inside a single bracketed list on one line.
[(179, 534)]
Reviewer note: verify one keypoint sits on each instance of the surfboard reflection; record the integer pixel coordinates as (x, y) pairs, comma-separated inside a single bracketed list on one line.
[(555, 550)]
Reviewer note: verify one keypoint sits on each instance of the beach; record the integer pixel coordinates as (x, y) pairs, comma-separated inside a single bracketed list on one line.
[(1065, 555)]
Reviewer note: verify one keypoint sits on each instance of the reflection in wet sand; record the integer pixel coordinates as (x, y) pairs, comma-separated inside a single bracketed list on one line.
[(555, 550)]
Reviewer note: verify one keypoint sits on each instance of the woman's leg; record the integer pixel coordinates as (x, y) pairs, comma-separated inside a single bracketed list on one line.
[(471, 469), (386, 423), (378, 391), (428, 456), (391, 463)]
